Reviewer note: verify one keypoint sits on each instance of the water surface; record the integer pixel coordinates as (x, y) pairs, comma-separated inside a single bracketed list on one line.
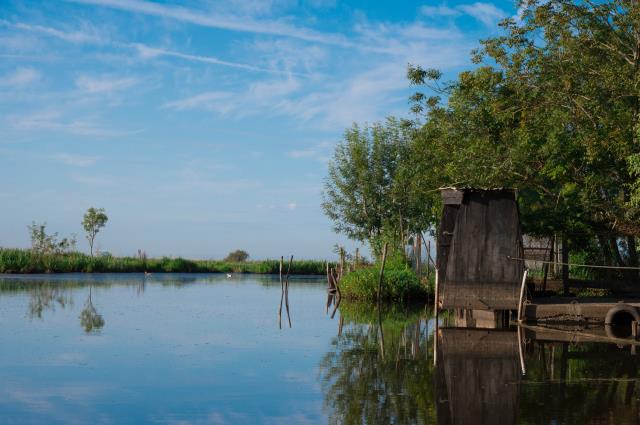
[(207, 349)]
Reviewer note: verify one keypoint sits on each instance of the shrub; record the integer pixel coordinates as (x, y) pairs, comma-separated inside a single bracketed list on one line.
[(237, 256), (398, 285)]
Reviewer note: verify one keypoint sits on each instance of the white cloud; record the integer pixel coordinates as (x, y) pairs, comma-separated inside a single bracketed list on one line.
[(150, 52), (76, 160), (304, 153), (486, 13), (442, 10), (87, 36), (104, 84), (292, 206), (317, 152), (207, 100), (227, 22), (53, 120), (20, 77)]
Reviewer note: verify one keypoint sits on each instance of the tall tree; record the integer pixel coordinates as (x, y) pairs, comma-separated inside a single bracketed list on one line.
[(553, 110), (94, 220), (369, 192)]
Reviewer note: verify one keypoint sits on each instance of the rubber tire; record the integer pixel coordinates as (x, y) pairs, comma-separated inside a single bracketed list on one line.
[(622, 308)]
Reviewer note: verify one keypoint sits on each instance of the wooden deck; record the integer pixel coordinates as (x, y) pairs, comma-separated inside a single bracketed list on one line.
[(573, 310)]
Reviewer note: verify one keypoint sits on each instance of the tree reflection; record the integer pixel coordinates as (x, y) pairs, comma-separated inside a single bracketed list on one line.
[(366, 383), (90, 320), (44, 297)]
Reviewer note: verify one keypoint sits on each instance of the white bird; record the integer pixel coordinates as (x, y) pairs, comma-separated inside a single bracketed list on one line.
[(228, 274)]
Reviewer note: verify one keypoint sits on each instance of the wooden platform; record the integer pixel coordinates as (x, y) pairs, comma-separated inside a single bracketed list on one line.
[(572, 310)]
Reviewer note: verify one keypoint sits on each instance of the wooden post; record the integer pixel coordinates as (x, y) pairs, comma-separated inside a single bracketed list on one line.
[(341, 261), (282, 290), (419, 255), (436, 300), (384, 260), (428, 259), (546, 265), (565, 265), (522, 291), (357, 260)]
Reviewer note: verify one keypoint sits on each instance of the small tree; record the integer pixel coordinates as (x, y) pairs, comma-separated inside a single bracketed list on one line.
[(237, 256), (94, 220), (43, 243)]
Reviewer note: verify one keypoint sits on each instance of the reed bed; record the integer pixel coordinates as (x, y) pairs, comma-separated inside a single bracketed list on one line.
[(27, 261)]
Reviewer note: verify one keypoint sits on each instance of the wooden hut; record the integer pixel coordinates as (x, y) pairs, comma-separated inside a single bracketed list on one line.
[(479, 231)]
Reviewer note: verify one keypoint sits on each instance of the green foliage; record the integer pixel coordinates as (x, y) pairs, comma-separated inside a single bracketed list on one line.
[(90, 319), (46, 244), (379, 369), (369, 192), (237, 256), (27, 261), (94, 220), (399, 284), (556, 116)]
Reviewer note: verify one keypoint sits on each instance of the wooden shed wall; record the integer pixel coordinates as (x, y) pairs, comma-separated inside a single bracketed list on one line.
[(475, 239)]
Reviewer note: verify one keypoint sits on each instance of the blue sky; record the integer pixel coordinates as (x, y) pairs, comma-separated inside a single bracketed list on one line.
[(203, 126)]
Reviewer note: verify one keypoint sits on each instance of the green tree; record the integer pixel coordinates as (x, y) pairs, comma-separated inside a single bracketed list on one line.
[(369, 192), (555, 115), (94, 220), (44, 243), (237, 256)]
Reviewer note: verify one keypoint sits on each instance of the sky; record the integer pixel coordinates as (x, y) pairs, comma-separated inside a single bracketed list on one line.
[(204, 126)]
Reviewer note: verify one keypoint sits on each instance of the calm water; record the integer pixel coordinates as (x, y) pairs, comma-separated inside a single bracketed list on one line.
[(205, 349)]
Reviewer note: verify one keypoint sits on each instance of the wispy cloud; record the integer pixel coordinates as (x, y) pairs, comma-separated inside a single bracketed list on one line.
[(317, 152), (207, 100), (486, 13), (104, 84), (76, 160), (442, 10), (20, 77), (72, 37), (54, 120), (227, 22), (150, 52)]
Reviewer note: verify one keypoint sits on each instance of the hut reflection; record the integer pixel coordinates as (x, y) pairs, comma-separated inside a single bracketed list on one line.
[(478, 376)]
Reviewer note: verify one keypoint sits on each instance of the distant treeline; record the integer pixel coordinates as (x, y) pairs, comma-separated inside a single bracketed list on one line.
[(28, 261)]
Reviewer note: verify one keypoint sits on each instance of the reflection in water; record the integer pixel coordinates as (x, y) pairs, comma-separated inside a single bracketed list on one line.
[(372, 368), (478, 377), (90, 320), (362, 384), (45, 297)]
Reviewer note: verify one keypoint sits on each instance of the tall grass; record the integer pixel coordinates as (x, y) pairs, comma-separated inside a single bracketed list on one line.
[(27, 261)]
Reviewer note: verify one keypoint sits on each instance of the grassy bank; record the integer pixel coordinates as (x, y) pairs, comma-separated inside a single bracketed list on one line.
[(26, 261), (400, 284)]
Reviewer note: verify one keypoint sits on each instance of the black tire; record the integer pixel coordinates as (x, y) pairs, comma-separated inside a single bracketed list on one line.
[(616, 328)]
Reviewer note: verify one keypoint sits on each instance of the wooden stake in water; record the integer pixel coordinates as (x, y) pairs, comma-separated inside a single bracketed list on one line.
[(436, 297), (384, 260), (286, 290), (281, 293)]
